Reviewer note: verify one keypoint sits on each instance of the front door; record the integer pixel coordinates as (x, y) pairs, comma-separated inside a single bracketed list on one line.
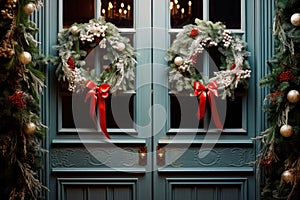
[(156, 151)]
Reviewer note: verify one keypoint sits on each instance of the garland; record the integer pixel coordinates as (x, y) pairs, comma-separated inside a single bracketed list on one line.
[(279, 157), (21, 82), (74, 45), (228, 51)]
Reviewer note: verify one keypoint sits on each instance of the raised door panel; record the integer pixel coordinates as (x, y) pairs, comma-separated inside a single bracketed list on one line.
[(207, 188), (97, 189)]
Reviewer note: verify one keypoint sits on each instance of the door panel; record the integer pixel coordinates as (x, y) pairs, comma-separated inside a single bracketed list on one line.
[(97, 189), (184, 159), (84, 165), (200, 163), (214, 189)]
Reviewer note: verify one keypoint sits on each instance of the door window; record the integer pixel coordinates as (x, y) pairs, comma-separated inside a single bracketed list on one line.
[(118, 12), (121, 14), (74, 11), (183, 12)]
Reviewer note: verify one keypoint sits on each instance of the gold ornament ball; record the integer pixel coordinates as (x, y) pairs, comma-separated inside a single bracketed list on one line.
[(25, 57), (295, 19), (30, 128), (178, 61), (286, 130), (29, 8), (74, 30), (293, 96), (121, 46), (287, 176)]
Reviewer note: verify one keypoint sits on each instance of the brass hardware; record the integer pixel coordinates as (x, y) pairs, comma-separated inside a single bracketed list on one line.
[(160, 156), (143, 155)]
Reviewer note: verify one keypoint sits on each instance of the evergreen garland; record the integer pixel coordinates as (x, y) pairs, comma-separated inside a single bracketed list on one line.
[(279, 158), (21, 82)]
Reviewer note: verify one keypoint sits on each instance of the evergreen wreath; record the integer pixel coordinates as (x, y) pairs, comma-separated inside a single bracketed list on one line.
[(227, 50), (74, 45), (76, 42)]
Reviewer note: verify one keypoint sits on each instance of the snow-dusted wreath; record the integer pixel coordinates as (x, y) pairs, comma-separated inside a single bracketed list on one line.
[(75, 42), (74, 45), (231, 53)]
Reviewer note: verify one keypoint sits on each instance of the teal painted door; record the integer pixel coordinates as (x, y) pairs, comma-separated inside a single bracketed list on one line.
[(183, 160)]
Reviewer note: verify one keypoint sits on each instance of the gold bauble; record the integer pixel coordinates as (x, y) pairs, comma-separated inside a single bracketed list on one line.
[(287, 176), (295, 19), (121, 46), (29, 8), (25, 57), (286, 130), (178, 61), (293, 96), (29, 128), (74, 30)]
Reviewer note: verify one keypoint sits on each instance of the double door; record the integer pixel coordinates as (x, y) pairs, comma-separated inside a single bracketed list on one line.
[(157, 149)]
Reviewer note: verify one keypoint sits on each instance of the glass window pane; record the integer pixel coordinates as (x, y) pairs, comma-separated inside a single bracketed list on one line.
[(118, 12), (184, 12), (172, 37), (67, 117), (215, 60), (228, 12), (184, 111), (119, 111), (234, 115), (68, 102), (130, 36), (80, 11)]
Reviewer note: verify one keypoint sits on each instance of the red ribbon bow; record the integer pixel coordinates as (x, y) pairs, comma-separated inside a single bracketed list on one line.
[(206, 92), (98, 96)]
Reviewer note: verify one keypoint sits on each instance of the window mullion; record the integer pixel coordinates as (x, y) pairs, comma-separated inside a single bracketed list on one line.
[(98, 9), (205, 10), (205, 54)]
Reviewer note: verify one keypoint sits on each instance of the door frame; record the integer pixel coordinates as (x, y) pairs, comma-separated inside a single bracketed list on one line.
[(259, 17)]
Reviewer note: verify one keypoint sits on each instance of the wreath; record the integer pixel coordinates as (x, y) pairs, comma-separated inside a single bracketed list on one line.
[(118, 63), (227, 50), (76, 42)]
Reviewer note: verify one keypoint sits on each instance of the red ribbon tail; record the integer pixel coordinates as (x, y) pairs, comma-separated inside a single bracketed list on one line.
[(201, 106), (93, 103), (214, 112), (102, 112), (92, 111)]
